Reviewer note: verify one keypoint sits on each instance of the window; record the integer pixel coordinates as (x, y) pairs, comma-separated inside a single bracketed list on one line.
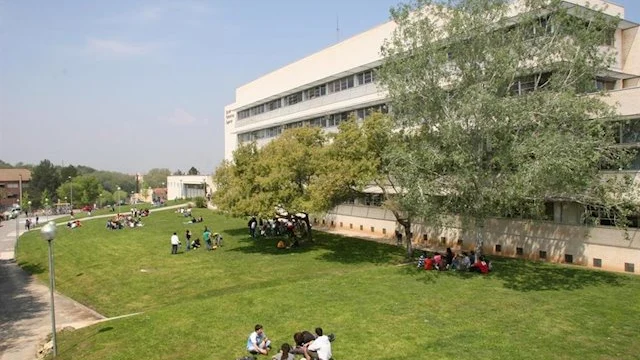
[(542, 254), (275, 104), (568, 258), (243, 114), (530, 83), (341, 84), (366, 77), (293, 125), (519, 251), (274, 131), (630, 132), (315, 92), (629, 267), (498, 248), (257, 110), (597, 262), (605, 84), (318, 122), (293, 99), (12, 186)]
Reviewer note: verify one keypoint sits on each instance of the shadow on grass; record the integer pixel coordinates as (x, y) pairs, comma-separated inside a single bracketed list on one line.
[(337, 248), (525, 275), (32, 269)]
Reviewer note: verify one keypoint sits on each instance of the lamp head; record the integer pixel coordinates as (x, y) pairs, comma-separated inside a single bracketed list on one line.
[(48, 231)]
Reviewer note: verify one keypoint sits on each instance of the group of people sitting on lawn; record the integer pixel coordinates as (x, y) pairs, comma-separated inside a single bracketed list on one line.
[(450, 261), (312, 346), (74, 224), (121, 221)]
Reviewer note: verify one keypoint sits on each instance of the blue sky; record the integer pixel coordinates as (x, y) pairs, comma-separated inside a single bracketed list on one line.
[(133, 85)]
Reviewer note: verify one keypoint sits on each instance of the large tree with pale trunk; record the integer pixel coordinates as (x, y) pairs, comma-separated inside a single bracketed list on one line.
[(491, 103)]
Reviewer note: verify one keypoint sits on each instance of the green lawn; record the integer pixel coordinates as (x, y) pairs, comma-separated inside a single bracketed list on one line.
[(201, 305)]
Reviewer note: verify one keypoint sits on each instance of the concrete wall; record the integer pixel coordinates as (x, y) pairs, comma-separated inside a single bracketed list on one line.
[(614, 247)]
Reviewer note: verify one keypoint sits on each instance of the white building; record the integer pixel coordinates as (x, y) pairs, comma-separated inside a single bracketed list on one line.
[(323, 88), (189, 186)]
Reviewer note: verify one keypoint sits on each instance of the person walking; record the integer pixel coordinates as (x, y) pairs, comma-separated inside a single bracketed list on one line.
[(187, 235), (175, 242)]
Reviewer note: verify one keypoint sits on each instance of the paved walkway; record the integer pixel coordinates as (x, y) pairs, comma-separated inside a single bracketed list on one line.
[(24, 301)]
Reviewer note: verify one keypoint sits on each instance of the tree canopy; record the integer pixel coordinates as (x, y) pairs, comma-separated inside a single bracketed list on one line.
[(494, 112)]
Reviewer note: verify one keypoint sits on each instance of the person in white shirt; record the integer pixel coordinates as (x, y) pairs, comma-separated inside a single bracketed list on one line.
[(258, 342), (320, 348), (175, 242)]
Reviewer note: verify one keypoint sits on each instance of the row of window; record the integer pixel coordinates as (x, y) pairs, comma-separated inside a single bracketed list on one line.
[(530, 83), (322, 121), (347, 82)]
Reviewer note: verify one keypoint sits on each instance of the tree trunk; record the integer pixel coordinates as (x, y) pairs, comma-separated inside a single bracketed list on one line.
[(479, 238), (308, 223), (409, 236)]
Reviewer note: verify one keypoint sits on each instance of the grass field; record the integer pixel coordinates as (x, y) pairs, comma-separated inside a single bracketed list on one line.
[(203, 305)]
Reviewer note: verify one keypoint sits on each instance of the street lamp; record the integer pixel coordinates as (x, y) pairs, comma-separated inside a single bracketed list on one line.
[(48, 233), (71, 184), (118, 199), (100, 200), (46, 208)]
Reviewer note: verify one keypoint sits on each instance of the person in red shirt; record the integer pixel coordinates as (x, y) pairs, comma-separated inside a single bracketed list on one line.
[(428, 263)]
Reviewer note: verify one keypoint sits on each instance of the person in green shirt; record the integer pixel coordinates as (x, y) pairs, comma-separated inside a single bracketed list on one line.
[(206, 235)]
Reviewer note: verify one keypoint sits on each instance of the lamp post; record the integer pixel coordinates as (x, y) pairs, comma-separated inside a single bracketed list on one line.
[(46, 208), (118, 199), (48, 233), (100, 200), (71, 184)]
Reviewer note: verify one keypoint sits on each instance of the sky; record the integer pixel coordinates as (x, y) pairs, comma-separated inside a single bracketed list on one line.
[(129, 86)]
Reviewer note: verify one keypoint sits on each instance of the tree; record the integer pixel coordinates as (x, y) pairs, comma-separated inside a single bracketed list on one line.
[(63, 192), (178, 172), (277, 176), (68, 172), (45, 198), (494, 117), (44, 176), (156, 177), (88, 189), (359, 156), (5, 165), (193, 171), (105, 197), (119, 196)]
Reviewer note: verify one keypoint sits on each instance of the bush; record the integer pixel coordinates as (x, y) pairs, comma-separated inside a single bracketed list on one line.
[(200, 202)]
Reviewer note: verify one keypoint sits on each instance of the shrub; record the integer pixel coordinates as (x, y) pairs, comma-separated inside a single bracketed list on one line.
[(200, 202)]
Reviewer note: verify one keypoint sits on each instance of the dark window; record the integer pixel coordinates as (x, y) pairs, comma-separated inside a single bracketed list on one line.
[(498, 248), (568, 258), (597, 262), (293, 99), (519, 251), (275, 104), (542, 254), (629, 267), (316, 92)]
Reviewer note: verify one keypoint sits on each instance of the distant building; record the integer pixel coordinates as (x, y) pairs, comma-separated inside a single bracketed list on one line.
[(188, 186), (10, 185)]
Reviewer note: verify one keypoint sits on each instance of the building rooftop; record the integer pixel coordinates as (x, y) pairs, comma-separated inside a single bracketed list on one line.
[(7, 175)]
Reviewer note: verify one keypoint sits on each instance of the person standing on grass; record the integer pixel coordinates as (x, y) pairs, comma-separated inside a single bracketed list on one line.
[(187, 235), (258, 342), (175, 242), (206, 236)]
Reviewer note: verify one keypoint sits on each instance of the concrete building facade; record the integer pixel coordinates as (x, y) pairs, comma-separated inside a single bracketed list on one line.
[(324, 88), (188, 186)]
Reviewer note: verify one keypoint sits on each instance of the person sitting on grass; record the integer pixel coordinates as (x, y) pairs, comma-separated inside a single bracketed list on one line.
[(284, 353), (320, 348), (428, 263), (480, 266), (301, 339), (258, 342), (421, 260), (196, 243)]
